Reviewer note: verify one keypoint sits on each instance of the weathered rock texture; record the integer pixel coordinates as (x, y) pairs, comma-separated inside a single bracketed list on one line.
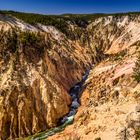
[(38, 65), (110, 99)]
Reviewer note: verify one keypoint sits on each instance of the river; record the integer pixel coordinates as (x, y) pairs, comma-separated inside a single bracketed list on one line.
[(69, 118)]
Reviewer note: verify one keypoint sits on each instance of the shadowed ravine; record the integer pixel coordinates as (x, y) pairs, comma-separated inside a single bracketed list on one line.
[(68, 119)]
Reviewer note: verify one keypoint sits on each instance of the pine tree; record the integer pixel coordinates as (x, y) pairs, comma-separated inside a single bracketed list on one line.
[(136, 69)]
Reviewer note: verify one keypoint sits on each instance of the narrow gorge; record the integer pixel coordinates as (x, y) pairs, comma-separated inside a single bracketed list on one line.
[(75, 93), (69, 77)]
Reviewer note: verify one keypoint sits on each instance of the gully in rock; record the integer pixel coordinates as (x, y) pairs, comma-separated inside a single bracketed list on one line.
[(68, 119), (74, 92)]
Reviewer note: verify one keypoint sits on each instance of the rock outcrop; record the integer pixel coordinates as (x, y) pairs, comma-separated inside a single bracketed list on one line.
[(39, 64), (110, 100), (38, 67)]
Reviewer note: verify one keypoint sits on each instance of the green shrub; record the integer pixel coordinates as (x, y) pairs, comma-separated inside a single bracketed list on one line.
[(98, 138), (118, 56), (136, 69), (137, 134)]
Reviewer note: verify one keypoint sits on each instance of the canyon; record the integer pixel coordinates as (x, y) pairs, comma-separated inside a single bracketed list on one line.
[(39, 64)]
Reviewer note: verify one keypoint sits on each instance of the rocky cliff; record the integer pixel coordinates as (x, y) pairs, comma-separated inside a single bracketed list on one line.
[(39, 64), (110, 99)]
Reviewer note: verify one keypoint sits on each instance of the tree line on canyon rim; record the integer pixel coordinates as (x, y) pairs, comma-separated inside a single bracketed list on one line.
[(61, 22)]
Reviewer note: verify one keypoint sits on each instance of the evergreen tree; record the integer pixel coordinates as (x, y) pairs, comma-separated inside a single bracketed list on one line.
[(136, 74)]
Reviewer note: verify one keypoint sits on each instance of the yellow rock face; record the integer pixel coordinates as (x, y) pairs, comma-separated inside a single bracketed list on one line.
[(110, 101), (35, 79), (38, 66)]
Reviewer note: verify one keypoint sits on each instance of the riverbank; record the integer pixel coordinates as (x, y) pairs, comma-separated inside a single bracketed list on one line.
[(74, 92)]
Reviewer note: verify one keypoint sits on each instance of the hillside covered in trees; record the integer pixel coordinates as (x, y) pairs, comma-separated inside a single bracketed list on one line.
[(62, 22)]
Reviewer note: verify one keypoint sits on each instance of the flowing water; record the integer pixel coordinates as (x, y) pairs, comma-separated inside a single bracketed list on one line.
[(68, 119)]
